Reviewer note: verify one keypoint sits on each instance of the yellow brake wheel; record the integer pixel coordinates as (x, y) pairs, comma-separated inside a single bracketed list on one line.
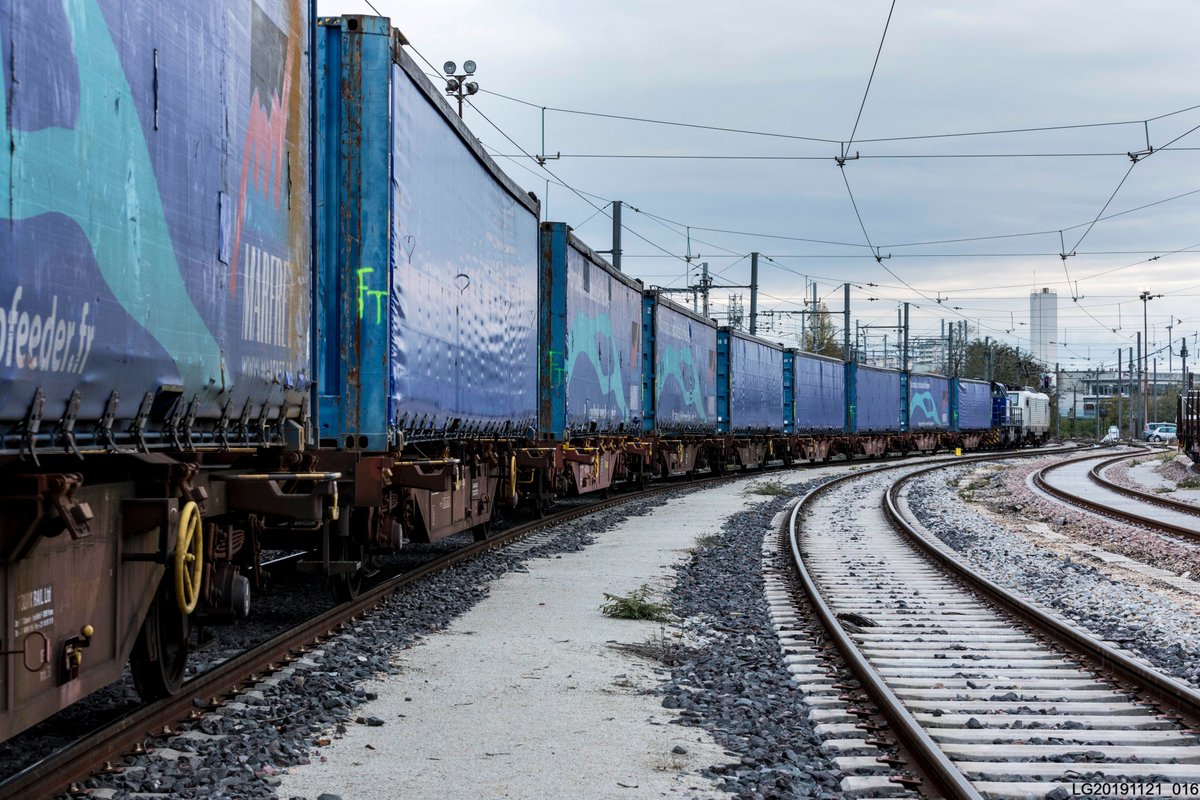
[(189, 558)]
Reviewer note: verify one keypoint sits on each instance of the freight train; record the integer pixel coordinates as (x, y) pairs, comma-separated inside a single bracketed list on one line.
[(263, 289), (1187, 423)]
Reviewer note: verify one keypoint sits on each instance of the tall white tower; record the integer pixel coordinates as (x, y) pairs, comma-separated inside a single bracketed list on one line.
[(1043, 325)]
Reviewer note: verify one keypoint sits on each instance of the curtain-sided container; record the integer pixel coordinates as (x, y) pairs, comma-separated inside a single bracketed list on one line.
[(819, 393), (155, 234), (428, 256), (749, 384), (679, 368), (878, 399), (928, 402), (972, 405), (590, 320)]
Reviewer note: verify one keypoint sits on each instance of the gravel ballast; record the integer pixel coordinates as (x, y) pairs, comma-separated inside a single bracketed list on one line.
[(1150, 623), (745, 731)]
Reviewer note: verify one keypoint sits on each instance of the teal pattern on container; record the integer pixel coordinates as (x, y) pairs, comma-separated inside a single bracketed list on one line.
[(604, 345), (100, 175), (685, 364)]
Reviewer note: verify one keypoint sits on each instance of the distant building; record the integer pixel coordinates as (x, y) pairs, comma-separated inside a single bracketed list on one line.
[(1043, 325)]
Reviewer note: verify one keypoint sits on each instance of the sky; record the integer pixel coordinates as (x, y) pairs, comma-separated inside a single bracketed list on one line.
[(962, 227)]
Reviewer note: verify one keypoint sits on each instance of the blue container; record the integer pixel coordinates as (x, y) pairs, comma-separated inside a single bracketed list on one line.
[(878, 399), (819, 394), (428, 263), (928, 402), (974, 405), (156, 237), (679, 368), (749, 384), (590, 380)]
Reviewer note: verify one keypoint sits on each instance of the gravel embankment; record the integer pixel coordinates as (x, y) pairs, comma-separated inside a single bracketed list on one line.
[(1152, 624), (735, 685), (731, 682), (1174, 477)]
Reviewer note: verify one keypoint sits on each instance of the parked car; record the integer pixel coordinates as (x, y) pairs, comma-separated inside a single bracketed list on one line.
[(1160, 432), (1113, 435)]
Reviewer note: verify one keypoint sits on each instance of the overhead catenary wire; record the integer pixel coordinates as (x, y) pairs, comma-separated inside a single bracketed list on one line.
[(828, 140), (570, 188), (712, 248)]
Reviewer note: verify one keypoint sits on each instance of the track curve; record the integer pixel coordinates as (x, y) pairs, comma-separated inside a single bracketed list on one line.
[(1080, 482), (962, 674)]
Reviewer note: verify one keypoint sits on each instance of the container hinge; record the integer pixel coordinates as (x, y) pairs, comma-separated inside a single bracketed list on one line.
[(104, 434), (138, 427), (189, 421), (277, 430), (264, 430), (242, 429), (31, 426), (222, 429), (65, 435), (175, 422)]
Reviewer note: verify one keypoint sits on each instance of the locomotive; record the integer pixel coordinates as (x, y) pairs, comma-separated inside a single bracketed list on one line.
[(263, 289)]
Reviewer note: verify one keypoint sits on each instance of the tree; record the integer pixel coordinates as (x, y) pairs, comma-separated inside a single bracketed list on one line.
[(820, 335), (1008, 366)]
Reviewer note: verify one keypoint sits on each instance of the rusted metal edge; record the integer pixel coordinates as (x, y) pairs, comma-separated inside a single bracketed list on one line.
[(1113, 513), (1167, 690), (933, 763)]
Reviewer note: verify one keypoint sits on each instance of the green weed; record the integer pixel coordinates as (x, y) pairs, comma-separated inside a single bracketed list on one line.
[(635, 606)]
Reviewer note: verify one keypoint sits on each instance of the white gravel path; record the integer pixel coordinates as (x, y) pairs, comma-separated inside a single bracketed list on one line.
[(524, 696)]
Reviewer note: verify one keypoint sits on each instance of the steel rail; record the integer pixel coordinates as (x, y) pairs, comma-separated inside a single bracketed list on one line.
[(1146, 497), (935, 765), (1039, 480), (937, 768), (57, 772), (1165, 690)]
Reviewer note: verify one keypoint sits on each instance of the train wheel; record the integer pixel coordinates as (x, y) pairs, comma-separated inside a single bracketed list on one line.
[(481, 531), (160, 654), (348, 585)]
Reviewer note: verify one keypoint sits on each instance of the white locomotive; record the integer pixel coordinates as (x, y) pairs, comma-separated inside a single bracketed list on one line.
[(1026, 417)]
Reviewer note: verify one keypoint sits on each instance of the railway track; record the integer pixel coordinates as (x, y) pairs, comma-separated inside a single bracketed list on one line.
[(97, 752), (985, 694), (100, 750), (1081, 483), (65, 770)]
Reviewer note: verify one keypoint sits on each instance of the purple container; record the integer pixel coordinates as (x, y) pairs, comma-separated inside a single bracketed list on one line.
[(464, 267), (877, 400), (820, 394), (928, 402), (685, 368), (974, 405), (756, 385), (157, 218)]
